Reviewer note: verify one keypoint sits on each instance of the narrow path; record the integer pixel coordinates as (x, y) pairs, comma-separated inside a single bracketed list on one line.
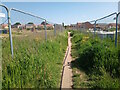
[(67, 70)]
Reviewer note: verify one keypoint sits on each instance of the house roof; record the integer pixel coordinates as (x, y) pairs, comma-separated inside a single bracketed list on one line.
[(4, 25), (49, 25), (29, 25), (79, 24), (112, 24), (40, 25)]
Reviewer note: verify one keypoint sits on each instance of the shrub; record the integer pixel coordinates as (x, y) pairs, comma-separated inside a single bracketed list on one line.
[(95, 55)]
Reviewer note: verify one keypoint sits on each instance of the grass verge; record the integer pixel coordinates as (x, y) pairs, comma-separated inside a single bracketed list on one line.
[(36, 64)]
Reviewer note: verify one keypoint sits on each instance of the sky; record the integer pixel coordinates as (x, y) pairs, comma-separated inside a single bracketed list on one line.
[(67, 12), (59, 0)]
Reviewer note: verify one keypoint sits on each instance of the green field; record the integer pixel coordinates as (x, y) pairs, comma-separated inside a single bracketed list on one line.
[(96, 62), (37, 63)]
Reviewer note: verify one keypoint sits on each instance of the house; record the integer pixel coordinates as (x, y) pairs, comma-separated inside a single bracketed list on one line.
[(49, 26), (40, 27), (103, 26), (85, 25), (29, 26), (67, 27), (15, 26), (58, 26), (112, 25), (78, 25), (88, 25), (98, 27), (4, 26), (73, 26), (21, 27), (3, 29)]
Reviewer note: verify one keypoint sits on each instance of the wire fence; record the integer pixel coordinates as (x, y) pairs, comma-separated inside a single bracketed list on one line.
[(2, 21), (25, 25), (25, 35), (28, 22), (22, 24), (105, 28)]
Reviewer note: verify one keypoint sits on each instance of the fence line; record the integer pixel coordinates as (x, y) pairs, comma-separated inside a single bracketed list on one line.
[(56, 26), (29, 14), (9, 26), (105, 17)]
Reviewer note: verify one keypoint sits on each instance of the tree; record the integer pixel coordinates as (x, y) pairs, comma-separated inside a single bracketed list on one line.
[(30, 23), (43, 23), (17, 23)]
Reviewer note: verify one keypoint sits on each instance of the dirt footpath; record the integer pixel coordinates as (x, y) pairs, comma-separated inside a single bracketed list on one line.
[(67, 73)]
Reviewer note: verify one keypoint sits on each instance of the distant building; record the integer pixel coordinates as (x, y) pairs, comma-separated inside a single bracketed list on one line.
[(49, 26), (111, 25), (73, 26), (103, 26), (21, 27), (15, 26), (3, 29), (58, 26), (29, 26), (40, 27), (85, 25), (79, 26), (4, 26), (67, 27)]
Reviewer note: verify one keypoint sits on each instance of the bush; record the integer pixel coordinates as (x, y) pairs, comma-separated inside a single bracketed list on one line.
[(95, 55)]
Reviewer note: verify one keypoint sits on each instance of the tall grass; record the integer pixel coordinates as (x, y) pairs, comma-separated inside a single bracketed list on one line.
[(98, 58), (36, 64)]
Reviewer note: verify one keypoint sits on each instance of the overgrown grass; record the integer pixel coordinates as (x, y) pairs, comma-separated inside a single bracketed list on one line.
[(36, 64), (98, 59)]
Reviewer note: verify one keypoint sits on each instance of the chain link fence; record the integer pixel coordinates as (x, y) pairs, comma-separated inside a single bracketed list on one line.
[(24, 24), (18, 28), (104, 28), (3, 33)]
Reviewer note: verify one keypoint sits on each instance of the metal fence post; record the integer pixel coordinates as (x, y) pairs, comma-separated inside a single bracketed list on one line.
[(116, 29), (61, 28), (45, 31), (10, 33), (54, 29), (9, 27), (95, 27)]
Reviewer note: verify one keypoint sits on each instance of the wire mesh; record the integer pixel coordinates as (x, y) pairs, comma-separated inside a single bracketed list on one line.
[(27, 25), (3, 34), (85, 27), (58, 28), (4, 24), (106, 29)]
